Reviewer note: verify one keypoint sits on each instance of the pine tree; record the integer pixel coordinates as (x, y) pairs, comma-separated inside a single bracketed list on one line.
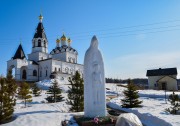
[(131, 96), (76, 93), (55, 92), (36, 91), (175, 103), (24, 92), (7, 97)]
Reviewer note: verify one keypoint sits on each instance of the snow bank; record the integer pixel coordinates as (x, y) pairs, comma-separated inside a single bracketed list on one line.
[(146, 118), (128, 119), (45, 84)]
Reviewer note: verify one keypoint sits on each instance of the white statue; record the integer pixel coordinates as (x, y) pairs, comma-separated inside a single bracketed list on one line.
[(94, 82)]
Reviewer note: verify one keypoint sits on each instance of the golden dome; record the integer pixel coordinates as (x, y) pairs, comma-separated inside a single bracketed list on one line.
[(40, 17), (63, 38), (69, 40), (57, 40)]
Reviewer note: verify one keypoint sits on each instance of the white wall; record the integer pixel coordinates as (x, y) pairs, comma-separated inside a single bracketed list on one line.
[(171, 83), (43, 66), (38, 56)]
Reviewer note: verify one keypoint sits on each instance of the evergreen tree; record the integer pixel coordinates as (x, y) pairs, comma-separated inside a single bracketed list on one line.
[(36, 91), (55, 92), (7, 97), (24, 92), (175, 103), (131, 96), (76, 93)]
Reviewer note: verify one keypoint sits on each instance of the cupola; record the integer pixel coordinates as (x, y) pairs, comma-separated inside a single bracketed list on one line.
[(58, 42), (69, 41)]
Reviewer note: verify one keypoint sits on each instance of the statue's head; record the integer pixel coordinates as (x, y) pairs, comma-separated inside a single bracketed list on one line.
[(94, 42)]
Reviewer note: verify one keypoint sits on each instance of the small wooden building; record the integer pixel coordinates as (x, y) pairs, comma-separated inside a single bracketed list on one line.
[(162, 79)]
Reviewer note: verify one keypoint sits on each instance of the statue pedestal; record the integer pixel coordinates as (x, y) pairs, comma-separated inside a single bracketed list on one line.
[(103, 121)]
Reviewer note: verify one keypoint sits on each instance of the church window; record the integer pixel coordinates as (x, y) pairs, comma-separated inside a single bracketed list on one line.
[(66, 70), (69, 59), (59, 69), (55, 69), (39, 43), (34, 72), (46, 73), (44, 43), (71, 71)]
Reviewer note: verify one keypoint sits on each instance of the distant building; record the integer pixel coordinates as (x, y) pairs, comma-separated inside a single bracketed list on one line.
[(162, 79), (61, 62)]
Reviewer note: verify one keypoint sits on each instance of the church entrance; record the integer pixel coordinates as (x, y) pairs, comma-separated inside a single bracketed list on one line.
[(24, 74)]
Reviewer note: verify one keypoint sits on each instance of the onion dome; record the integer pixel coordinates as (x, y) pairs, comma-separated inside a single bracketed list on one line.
[(63, 38), (69, 40), (40, 18), (57, 40)]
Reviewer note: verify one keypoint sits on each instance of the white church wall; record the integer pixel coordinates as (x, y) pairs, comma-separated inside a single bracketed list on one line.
[(31, 68), (71, 57), (59, 56), (17, 64), (45, 69), (36, 56), (67, 70), (56, 64)]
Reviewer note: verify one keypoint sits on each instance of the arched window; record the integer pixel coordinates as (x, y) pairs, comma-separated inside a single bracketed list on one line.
[(44, 43), (39, 43), (59, 69), (69, 59), (66, 70), (55, 69), (71, 71), (34, 72)]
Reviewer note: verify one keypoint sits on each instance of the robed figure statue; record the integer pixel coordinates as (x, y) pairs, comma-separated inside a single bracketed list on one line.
[(94, 82)]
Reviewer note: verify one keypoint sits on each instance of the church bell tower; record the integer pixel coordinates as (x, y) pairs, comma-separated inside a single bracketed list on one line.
[(39, 41)]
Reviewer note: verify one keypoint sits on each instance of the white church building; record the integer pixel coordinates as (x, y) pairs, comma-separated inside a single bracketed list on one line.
[(61, 62)]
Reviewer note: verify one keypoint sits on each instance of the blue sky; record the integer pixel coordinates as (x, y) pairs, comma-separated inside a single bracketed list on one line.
[(134, 35)]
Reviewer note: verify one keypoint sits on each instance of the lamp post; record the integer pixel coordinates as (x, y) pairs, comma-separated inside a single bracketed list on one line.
[(165, 91)]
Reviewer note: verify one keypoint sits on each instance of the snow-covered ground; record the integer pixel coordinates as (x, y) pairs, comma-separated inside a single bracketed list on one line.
[(51, 114), (40, 113), (153, 111)]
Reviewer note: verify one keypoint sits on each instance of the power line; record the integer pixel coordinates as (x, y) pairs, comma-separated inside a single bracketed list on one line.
[(134, 34), (126, 27), (137, 30), (120, 35)]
